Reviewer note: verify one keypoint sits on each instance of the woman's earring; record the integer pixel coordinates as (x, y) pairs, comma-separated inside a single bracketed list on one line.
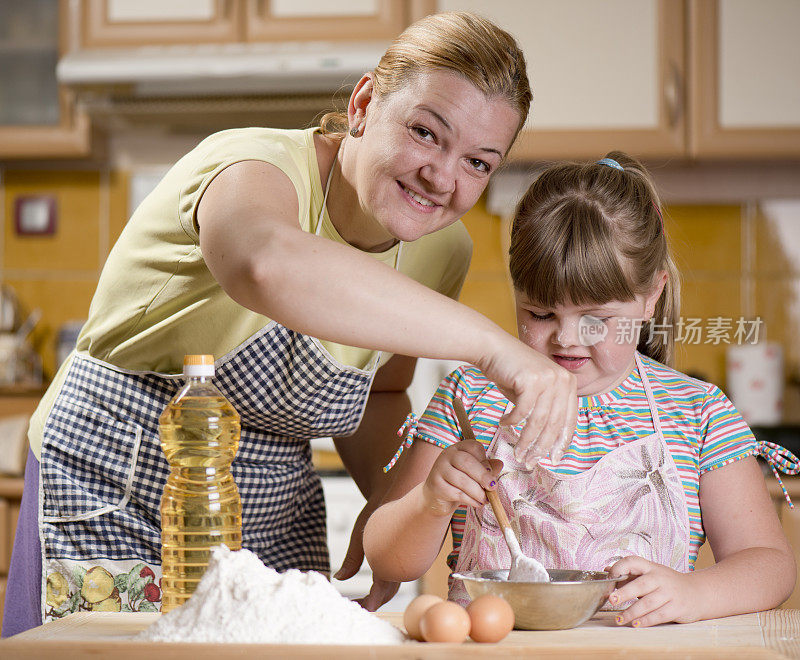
[(354, 131)]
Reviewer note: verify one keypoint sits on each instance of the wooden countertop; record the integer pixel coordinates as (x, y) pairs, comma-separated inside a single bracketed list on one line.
[(771, 634)]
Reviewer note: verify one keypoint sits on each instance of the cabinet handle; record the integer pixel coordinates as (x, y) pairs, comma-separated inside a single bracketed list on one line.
[(673, 95)]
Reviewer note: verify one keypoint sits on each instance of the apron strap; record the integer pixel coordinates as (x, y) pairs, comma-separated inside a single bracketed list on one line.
[(377, 358), (409, 427), (651, 400), (779, 458)]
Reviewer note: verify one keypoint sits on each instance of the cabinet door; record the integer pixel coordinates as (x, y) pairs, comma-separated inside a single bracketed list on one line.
[(322, 20), (605, 75), (110, 23), (745, 66), (37, 117)]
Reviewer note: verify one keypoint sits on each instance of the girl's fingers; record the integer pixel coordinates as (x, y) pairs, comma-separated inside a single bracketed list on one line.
[(470, 458), (663, 614), (631, 565), (636, 588), (495, 466), (451, 494), (471, 484), (641, 608)]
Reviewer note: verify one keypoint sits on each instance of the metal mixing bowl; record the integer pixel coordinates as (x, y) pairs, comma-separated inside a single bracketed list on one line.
[(569, 599)]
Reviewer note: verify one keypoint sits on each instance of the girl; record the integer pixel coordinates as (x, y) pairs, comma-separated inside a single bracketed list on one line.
[(294, 256), (659, 460)]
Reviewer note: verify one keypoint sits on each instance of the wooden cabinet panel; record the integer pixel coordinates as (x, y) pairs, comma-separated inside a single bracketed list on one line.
[(115, 23), (120, 23), (604, 75), (6, 536), (744, 99), (349, 20), (31, 126)]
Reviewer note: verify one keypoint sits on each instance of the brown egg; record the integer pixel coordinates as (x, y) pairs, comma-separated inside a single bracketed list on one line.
[(492, 618), (416, 608), (445, 622)]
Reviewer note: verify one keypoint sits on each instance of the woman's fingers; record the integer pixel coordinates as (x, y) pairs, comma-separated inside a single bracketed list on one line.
[(542, 393), (568, 430), (561, 408)]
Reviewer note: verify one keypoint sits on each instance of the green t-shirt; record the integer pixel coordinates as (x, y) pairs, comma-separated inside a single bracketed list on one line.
[(156, 300)]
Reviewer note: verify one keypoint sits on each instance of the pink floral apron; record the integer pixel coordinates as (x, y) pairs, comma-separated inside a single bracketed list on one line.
[(631, 502)]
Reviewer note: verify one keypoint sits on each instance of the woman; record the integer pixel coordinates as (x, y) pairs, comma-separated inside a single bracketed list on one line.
[(311, 263)]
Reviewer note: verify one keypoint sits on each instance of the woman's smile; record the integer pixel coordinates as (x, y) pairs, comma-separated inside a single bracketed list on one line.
[(417, 200)]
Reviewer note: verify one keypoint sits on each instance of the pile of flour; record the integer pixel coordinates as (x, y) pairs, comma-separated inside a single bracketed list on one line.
[(239, 599)]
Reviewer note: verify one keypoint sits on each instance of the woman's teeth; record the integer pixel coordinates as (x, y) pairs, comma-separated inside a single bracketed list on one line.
[(418, 198)]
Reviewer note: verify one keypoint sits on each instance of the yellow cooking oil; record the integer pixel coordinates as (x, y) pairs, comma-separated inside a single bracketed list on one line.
[(200, 507)]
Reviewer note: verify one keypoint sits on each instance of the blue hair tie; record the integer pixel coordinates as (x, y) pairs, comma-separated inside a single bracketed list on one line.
[(611, 163)]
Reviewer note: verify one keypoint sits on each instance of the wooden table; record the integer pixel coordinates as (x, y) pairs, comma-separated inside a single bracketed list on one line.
[(772, 634)]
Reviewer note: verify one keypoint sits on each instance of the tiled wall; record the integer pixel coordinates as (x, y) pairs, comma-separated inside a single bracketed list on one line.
[(738, 262), (58, 273)]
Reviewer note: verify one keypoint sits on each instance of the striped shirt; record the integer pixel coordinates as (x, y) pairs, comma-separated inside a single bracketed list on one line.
[(701, 427)]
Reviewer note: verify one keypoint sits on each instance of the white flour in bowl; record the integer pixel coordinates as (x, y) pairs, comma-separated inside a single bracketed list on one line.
[(241, 600)]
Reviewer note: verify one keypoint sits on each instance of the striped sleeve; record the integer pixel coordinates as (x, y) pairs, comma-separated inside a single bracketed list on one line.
[(482, 400), (726, 436), (438, 424)]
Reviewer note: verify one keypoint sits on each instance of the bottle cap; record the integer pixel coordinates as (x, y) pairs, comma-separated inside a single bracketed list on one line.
[(198, 365)]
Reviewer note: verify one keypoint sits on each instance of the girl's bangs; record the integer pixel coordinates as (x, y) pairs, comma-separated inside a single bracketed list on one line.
[(571, 262)]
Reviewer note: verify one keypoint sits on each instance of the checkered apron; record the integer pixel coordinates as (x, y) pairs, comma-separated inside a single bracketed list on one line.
[(103, 470)]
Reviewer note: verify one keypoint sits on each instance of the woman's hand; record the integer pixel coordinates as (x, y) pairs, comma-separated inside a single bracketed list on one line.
[(664, 594), (544, 396), (459, 476)]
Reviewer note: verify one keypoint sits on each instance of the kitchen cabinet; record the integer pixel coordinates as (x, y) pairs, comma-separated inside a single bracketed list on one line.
[(616, 75), (744, 94), (605, 75), (38, 118), (115, 23)]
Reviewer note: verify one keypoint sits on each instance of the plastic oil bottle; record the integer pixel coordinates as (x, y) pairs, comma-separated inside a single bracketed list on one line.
[(200, 507)]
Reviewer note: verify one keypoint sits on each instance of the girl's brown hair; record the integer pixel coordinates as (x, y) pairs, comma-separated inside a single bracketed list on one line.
[(592, 234), (462, 42)]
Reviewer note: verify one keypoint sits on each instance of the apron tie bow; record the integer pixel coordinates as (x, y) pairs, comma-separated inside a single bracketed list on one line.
[(409, 427), (779, 458)]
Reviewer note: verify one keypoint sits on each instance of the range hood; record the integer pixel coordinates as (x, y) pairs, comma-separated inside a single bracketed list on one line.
[(195, 82)]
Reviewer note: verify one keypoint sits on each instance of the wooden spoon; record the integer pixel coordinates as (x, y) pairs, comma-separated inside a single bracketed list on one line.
[(523, 568)]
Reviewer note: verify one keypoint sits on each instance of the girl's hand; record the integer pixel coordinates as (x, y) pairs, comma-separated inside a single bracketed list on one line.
[(664, 594), (544, 396), (459, 476)]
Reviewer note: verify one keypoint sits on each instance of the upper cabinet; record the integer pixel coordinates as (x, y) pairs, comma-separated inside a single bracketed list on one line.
[(125, 23), (678, 79), (37, 117), (110, 23), (658, 78), (605, 75), (302, 20), (745, 83)]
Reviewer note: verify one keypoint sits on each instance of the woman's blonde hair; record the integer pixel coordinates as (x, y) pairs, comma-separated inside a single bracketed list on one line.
[(591, 234), (465, 43)]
